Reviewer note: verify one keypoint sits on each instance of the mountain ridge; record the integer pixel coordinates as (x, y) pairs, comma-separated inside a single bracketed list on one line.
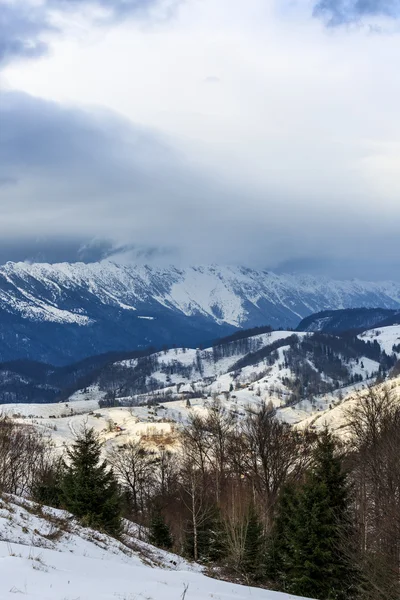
[(64, 312), (351, 319)]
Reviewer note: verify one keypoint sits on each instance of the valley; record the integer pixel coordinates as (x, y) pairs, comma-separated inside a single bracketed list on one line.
[(149, 398), (188, 435)]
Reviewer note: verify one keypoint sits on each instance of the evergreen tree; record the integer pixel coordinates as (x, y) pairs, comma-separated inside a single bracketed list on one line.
[(314, 525), (253, 551), (279, 544), (89, 489), (312, 563), (47, 487), (217, 539), (203, 540), (211, 538), (159, 532)]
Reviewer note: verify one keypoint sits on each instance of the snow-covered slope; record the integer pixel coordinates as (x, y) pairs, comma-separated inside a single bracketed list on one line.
[(275, 360), (336, 415), (150, 395), (387, 338), (304, 375), (46, 555), (225, 294)]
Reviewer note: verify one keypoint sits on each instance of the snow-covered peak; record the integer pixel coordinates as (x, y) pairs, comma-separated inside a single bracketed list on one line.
[(196, 303), (226, 293)]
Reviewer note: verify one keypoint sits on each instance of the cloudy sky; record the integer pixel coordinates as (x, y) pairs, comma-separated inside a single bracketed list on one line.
[(260, 132)]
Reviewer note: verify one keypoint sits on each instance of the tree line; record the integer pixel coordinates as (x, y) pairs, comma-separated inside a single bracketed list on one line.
[(255, 500)]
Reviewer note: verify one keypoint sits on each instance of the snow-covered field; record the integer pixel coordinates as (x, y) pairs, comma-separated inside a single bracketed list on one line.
[(336, 417), (114, 425), (46, 555), (387, 337)]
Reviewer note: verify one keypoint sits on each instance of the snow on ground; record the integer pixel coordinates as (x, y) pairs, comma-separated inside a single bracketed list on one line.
[(46, 555), (114, 425), (156, 426), (49, 410), (191, 392), (336, 416), (188, 357), (387, 337)]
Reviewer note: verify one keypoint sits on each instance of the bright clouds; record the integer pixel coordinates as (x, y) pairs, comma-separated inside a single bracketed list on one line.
[(224, 130)]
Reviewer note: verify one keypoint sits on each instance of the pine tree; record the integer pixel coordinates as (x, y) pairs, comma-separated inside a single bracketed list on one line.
[(312, 562), (159, 532), (211, 538), (89, 489), (253, 551), (47, 487), (279, 544), (314, 524), (217, 538)]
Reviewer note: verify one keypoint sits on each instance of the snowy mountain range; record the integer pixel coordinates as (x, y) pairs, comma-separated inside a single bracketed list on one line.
[(64, 312)]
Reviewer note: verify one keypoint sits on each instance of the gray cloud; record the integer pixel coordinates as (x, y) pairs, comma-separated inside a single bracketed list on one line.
[(23, 24), (93, 185), (117, 9), (72, 249), (212, 79), (93, 175), (21, 28), (40, 134), (281, 179), (339, 12), (99, 153)]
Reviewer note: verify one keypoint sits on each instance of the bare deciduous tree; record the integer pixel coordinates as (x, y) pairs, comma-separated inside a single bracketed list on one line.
[(374, 425), (275, 452), (133, 466), (24, 453)]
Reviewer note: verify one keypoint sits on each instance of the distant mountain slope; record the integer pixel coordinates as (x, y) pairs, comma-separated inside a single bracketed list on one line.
[(64, 312), (297, 365), (300, 366), (337, 321), (30, 381), (336, 415)]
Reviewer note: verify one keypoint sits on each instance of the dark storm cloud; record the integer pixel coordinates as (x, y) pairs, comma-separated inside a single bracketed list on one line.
[(371, 268), (90, 175), (38, 136), (41, 250), (93, 173), (86, 186), (339, 12), (21, 28)]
